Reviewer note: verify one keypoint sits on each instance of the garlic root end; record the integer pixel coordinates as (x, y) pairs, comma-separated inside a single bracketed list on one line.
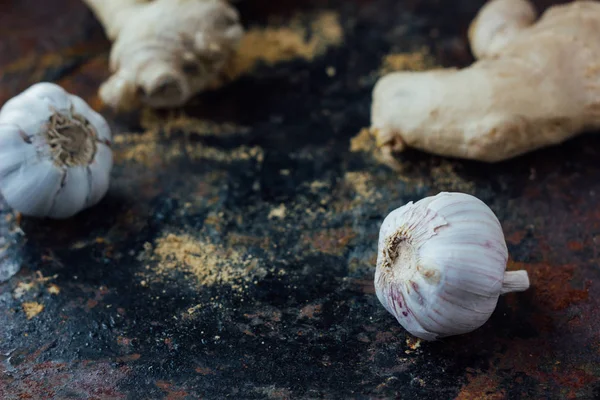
[(515, 281)]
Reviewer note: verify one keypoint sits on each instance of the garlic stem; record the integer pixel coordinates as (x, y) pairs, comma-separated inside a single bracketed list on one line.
[(515, 281)]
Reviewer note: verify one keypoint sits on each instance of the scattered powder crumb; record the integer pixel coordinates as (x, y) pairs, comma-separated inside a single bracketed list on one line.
[(53, 289), (443, 176), (157, 144), (278, 212), (23, 288), (413, 343), (210, 263), (283, 42), (361, 182), (363, 141), (315, 186), (177, 122), (416, 61), (146, 149), (243, 153), (32, 308), (193, 309)]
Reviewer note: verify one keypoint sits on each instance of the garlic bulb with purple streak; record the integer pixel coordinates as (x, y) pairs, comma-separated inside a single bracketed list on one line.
[(55, 156), (441, 265)]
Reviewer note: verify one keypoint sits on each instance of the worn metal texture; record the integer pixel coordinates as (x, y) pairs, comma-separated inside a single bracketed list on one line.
[(234, 254)]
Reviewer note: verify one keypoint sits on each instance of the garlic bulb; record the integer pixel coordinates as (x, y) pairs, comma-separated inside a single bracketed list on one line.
[(55, 156), (441, 265)]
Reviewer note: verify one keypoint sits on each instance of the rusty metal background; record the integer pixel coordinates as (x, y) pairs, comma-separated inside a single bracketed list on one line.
[(282, 204)]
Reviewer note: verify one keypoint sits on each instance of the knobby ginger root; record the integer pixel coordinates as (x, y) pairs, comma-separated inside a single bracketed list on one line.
[(165, 51), (535, 84)]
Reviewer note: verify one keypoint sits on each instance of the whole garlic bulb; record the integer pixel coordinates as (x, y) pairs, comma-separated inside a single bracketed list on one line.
[(441, 265), (55, 156)]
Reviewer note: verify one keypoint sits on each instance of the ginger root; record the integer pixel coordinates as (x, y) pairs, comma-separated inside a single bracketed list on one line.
[(165, 51), (535, 84)]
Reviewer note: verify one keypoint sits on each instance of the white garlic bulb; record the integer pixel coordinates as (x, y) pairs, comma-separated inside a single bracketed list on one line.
[(441, 265), (55, 156)]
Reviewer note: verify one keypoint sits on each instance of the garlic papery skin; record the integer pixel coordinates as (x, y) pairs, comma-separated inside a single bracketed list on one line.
[(441, 265), (55, 155)]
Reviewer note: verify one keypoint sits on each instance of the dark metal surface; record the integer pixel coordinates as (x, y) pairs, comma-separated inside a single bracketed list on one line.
[(264, 288)]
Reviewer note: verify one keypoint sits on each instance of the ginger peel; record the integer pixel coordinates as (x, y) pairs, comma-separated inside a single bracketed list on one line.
[(165, 51), (535, 84)]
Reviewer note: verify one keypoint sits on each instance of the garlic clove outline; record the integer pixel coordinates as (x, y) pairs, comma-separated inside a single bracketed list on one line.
[(441, 265), (30, 186), (55, 156)]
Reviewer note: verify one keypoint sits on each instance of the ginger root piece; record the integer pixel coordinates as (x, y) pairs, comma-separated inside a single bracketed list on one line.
[(535, 84), (165, 51)]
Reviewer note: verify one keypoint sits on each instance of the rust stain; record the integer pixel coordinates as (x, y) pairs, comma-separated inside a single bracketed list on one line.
[(87, 80), (123, 341), (385, 337), (204, 371), (553, 290), (129, 357), (481, 386), (530, 358), (171, 393), (329, 241), (91, 303), (575, 245), (51, 60), (516, 237), (50, 380), (362, 285), (310, 310), (270, 315)]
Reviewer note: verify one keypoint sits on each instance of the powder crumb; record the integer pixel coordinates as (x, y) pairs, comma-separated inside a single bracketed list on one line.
[(166, 138), (316, 186), (364, 141), (178, 122), (278, 212), (53, 289), (415, 61), (211, 264), (413, 343), (193, 309), (23, 288), (361, 183), (32, 308), (146, 150), (280, 42)]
